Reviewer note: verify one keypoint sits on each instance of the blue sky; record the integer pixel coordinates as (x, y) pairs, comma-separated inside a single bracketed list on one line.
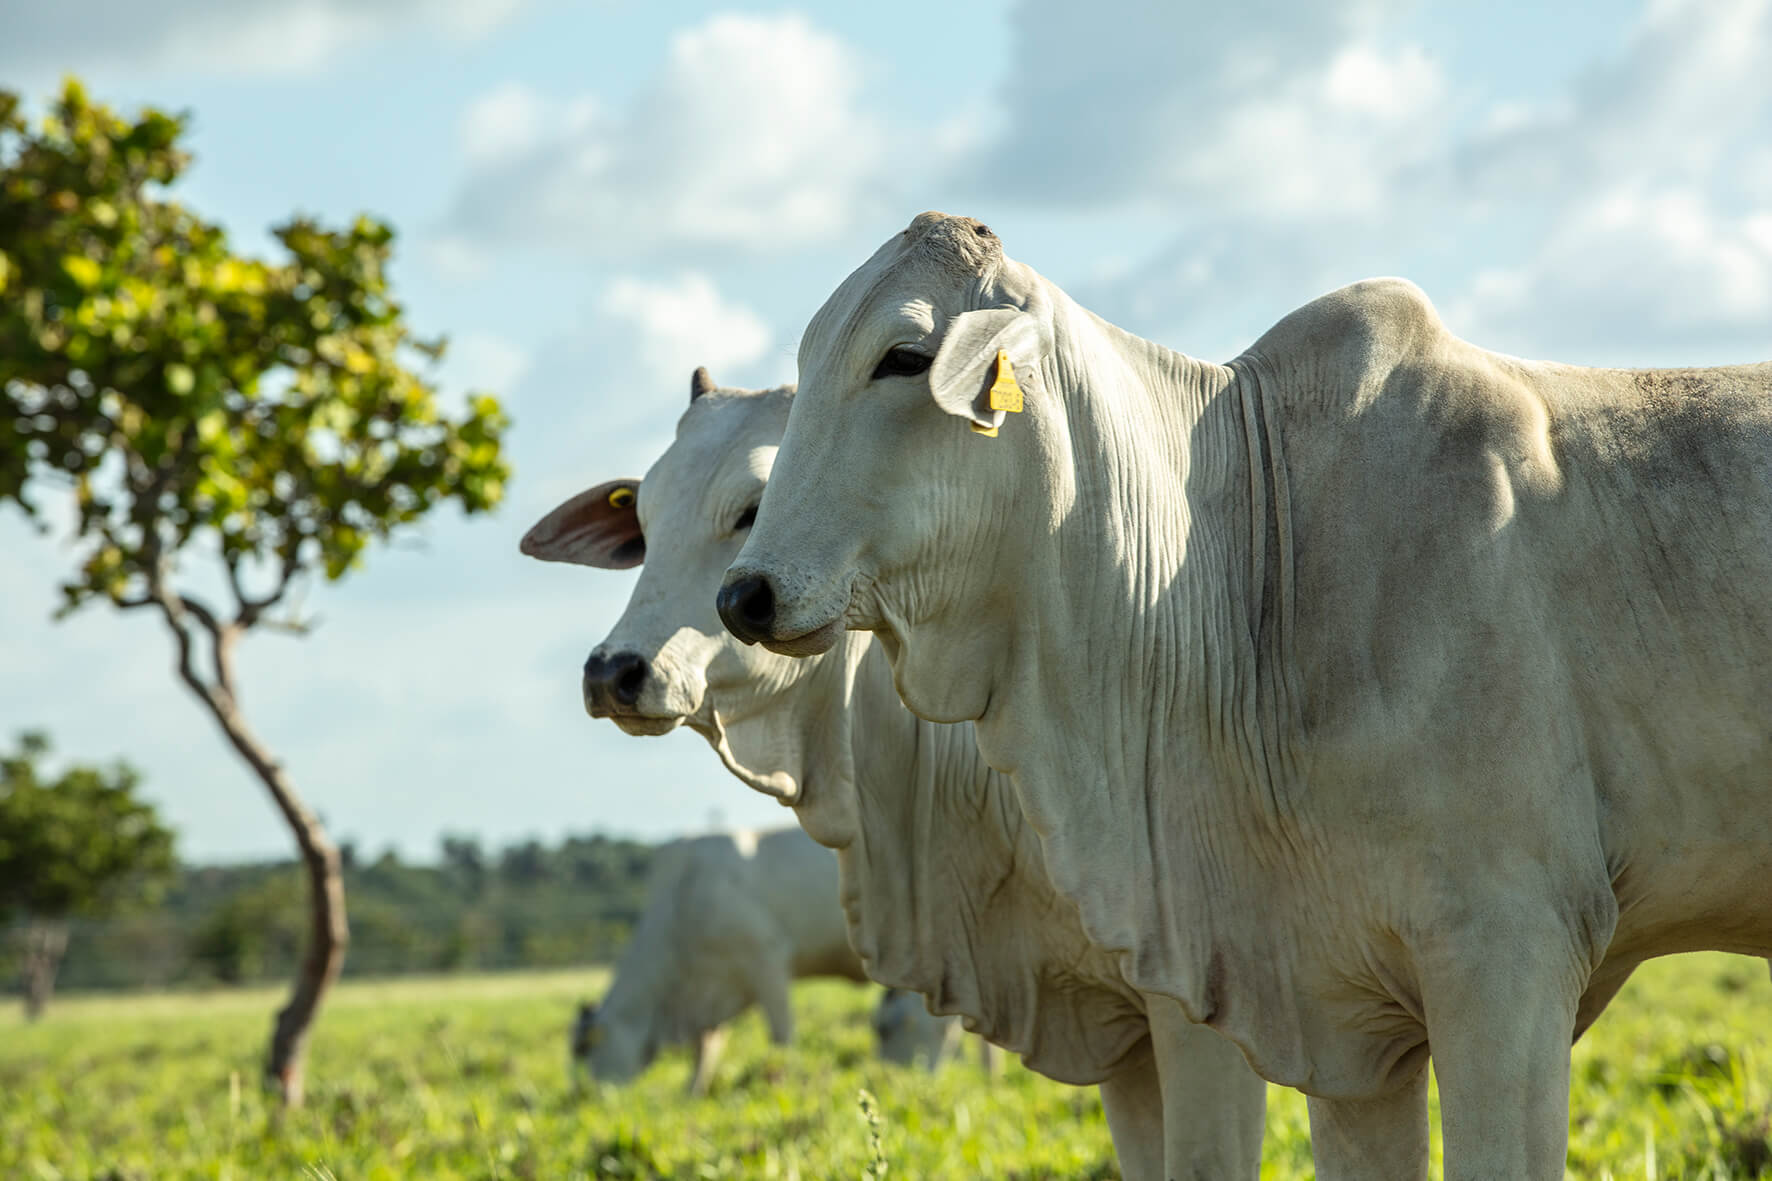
[(593, 198)]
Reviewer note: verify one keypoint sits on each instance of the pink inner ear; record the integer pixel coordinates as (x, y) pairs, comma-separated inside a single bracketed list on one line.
[(598, 527)]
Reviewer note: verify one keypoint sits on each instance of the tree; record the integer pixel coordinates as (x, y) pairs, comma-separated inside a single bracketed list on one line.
[(251, 420), (254, 926), (69, 847), (465, 863)]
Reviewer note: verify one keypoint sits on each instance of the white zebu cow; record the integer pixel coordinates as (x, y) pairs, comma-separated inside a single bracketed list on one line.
[(943, 882), (730, 920), (1371, 694), (907, 1032)]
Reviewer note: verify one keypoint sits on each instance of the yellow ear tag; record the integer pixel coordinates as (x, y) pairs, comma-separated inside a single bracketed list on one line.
[(989, 432), (621, 498), (1005, 394)]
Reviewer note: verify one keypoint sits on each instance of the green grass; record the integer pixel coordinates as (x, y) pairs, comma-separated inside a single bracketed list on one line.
[(465, 1078)]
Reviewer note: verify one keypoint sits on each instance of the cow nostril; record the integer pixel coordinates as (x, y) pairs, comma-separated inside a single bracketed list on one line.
[(748, 607), (757, 606), (630, 679), (614, 680)]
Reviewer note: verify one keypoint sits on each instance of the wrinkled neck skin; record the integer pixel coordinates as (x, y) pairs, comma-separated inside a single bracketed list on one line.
[(943, 887), (791, 738), (1129, 749), (946, 894)]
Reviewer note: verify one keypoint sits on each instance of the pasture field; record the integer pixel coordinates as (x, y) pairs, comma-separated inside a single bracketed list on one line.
[(464, 1077)]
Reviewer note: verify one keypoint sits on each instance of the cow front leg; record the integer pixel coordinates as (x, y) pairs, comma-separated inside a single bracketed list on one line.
[(772, 992), (1499, 1028), (1133, 1103), (1214, 1105), (1385, 1139), (706, 1055)]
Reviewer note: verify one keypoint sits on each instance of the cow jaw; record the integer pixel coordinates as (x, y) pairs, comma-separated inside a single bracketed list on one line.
[(813, 643), (642, 726)]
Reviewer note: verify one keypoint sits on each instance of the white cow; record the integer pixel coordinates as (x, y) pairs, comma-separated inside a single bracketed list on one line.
[(907, 1033), (1370, 694), (943, 882), (730, 921)]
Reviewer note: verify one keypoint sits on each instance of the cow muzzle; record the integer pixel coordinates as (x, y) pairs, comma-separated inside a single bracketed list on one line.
[(613, 683), (748, 607)]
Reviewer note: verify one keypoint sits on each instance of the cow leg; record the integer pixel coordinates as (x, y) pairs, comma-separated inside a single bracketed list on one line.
[(706, 1055), (1384, 1138), (1499, 1031), (1214, 1105), (772, 995), (1133, 1103), (945, 1043)]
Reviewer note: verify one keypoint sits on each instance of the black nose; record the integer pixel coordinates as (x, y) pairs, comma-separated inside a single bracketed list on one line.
[(613, 682), (747, 607)]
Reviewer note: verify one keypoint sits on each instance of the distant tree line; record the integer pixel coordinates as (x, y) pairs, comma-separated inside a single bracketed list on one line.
[(524, 905)]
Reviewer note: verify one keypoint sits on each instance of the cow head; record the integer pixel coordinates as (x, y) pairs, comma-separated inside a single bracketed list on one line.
[(922, 431), (906, 1032), (610, 1051), (668, 661)]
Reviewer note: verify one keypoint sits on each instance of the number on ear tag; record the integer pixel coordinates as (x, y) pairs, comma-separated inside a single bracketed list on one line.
[(1005, 393)]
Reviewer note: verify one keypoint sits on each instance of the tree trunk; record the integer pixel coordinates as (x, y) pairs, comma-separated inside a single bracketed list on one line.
[(46, 941), (321, 961), (328, 933)]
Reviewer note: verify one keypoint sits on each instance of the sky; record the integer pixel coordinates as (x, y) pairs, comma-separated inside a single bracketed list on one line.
[(593, 198)]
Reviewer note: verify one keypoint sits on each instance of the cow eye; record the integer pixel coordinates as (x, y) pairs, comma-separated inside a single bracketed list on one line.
[(745, 519), (901, 362)]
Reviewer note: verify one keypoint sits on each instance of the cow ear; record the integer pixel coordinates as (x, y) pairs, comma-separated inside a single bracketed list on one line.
[(598, 528), (994, 347)]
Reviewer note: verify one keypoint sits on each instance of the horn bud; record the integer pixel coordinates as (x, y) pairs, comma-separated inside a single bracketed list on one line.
[(699, 382)]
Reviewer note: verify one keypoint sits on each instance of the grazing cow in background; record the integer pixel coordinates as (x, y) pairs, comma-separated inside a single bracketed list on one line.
[(908, 1033), (942, 881), (730, 921), (1372, 695)]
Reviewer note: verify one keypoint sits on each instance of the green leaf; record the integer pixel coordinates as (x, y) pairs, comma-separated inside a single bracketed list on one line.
[(83, 270), (180, 379)]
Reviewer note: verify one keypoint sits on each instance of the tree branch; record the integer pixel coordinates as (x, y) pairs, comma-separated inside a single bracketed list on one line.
[(252, 610), (179, 610)]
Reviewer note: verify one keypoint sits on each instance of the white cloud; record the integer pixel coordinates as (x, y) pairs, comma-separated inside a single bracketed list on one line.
[(1331, 140), (1661, 271), (480, 361), (1649, 190), (671, 327), (223, 36), (1274, 105), (1361, 80), (602, 399), (453, 257), (751, 135), (502, 123), (1688, 100), (1617, 215)]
